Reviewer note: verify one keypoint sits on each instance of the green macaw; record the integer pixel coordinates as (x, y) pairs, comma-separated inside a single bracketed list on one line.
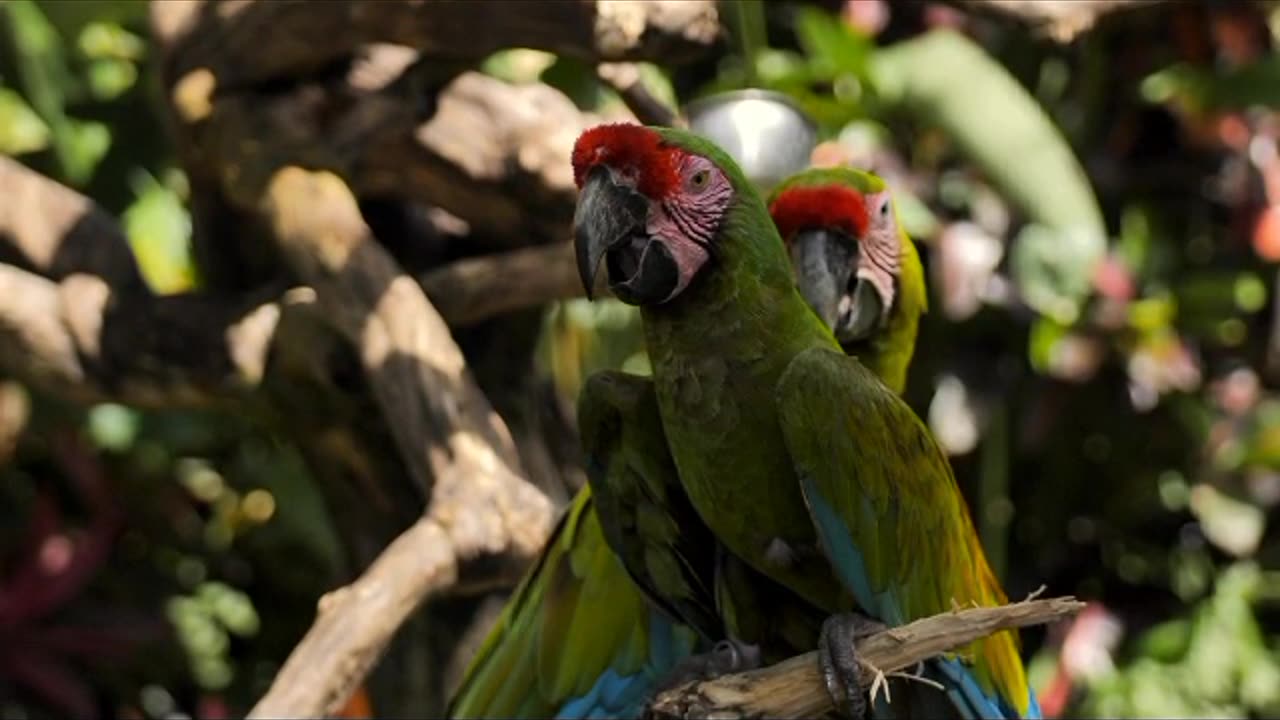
[(801, 462), (822, 217), (669, 552)]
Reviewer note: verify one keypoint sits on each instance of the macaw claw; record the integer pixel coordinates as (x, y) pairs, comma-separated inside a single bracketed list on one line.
[(838, 660), (728, 656)]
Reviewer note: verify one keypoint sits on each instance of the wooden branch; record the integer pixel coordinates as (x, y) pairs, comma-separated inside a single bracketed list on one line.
[(15, 410), (354, 624), (794, 688), (56, 231), (1062, 20), (492, 154), (626, 80), (488, 152), (85, 342), (91, 339), (475, 289), (247, 43), (450, 438), (401, 124)]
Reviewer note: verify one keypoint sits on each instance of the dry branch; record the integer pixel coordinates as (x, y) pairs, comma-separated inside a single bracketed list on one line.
[(403, 122), (1062, 20), (56, 231), (87, 341), (450, 438), (794, 688), (228, 39), (626, 80), (91, 338), (468, 291)]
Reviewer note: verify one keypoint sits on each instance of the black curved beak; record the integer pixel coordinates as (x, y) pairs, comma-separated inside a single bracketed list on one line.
[(823, 261), (824, 264), (609, 225), (608, 215)]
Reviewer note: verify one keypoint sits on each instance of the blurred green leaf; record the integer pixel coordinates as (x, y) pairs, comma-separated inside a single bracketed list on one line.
[(1134, 244), (1153, 314), (1045, 335), (833, 47), (1166, 642), (518, 66), (109, 41), (577, 79), (1231, 524), (21, 129), (231, 607), (657, 82), (1054, 268), (1213, 664), (159, 230), (47, 83), (1256, 84), (70, 18), (1206, 298), (113, 427), (951, 82), (746, 20), (110, 78)]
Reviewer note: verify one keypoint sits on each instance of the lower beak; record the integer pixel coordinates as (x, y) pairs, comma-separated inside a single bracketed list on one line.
[(823, 262), (608, 215)]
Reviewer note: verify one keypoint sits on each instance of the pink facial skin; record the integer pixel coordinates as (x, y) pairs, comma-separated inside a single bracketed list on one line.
[(880, 259), (687, 219)]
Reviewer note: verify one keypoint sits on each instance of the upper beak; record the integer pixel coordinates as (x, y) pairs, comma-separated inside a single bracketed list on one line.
[(608, 214), (823, 262)]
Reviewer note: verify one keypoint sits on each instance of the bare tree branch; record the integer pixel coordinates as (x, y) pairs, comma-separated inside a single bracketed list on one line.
[(89, 339), (449, 436), (478, 288), (227, 38), (57, 231), (1062, 20), (626, 80), (794, 688)]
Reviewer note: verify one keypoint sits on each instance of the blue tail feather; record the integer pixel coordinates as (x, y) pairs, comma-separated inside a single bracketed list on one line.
[(623, 696)]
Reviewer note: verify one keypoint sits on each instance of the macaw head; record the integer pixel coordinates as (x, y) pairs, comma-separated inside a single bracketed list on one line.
[(845, 245), (651, 208)]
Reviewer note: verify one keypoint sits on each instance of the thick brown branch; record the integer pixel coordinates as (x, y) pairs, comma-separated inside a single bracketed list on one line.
[(492, 154), (1062, 20), (354, 624), (83, 341), (794, 688), (450, 438), (56, 231), (250, 42), (475, 289), (87, 339), (488, 152)]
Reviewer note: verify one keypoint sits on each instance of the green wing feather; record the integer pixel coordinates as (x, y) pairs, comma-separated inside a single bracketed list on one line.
[(644, 512), (575, 614), (886, 504)]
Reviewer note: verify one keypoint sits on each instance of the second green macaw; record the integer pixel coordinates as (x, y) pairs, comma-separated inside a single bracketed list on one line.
[(576, 639), (801, 462)]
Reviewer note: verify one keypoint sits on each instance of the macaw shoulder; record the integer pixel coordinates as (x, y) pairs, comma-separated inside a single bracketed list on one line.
[(821, 372)]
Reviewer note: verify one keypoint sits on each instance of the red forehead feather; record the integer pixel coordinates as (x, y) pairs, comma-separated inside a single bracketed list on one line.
[(632, 149), (824, 206)]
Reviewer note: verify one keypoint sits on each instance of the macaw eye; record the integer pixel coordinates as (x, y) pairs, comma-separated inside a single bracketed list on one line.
[(699, 180), (884, 208)]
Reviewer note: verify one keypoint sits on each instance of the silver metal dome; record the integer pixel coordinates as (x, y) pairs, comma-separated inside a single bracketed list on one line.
[(768, 135)]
